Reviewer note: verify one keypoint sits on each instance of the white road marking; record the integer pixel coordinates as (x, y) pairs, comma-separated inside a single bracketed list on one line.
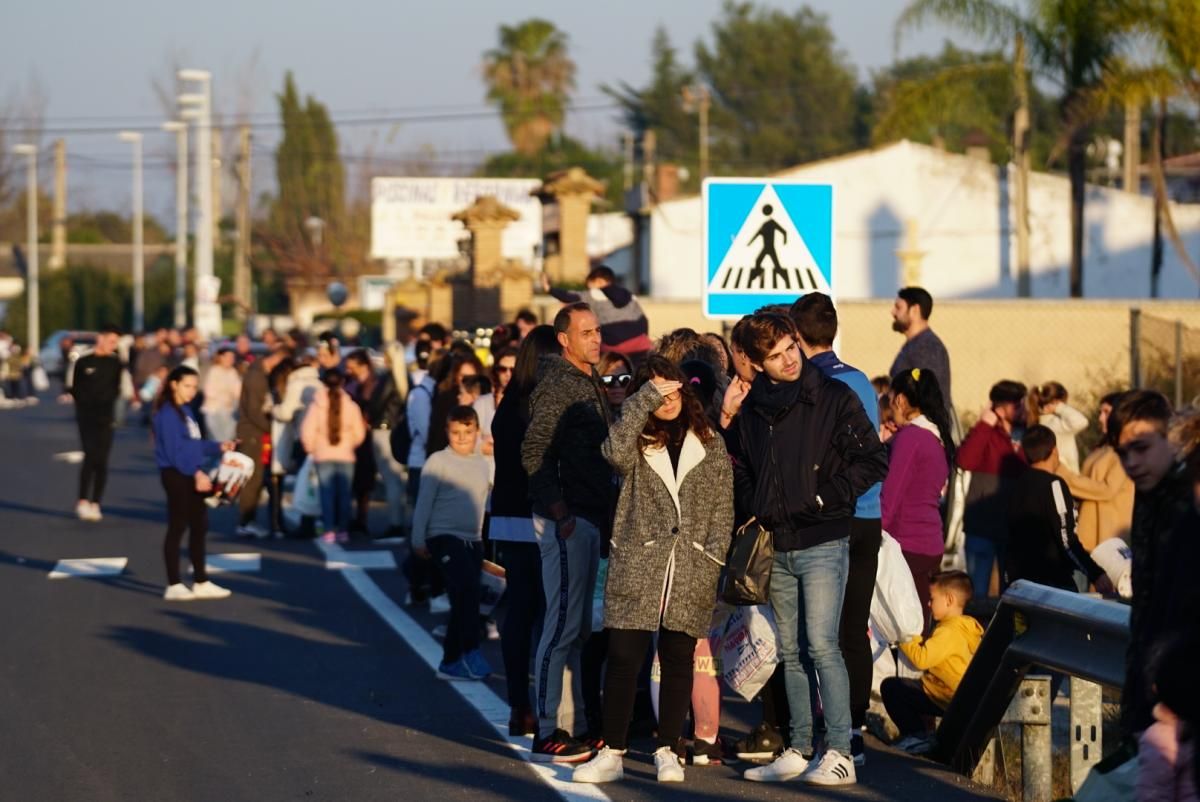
[(88, 567), (338, 559), (478, 695), (241, 562), (70, 457)]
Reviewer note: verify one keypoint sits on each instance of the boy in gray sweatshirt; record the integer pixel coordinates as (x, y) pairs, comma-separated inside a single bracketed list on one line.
[(447, 523)]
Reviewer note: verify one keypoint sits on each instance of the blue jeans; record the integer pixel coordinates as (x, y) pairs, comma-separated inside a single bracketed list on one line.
[(981, 554), (807, 590), (335, 479)]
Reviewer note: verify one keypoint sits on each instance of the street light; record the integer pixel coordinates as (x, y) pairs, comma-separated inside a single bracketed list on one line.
[(181, 222), (32, 302), (139, 278), (206, 314)]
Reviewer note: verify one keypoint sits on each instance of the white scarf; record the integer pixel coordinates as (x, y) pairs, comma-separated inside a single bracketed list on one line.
[(922, 422)]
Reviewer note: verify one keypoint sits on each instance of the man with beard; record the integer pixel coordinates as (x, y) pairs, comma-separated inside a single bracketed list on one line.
[(922, 348)]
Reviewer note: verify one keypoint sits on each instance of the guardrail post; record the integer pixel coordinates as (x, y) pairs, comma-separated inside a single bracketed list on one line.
[(985, 769), (1031, 709), (1086, 729)]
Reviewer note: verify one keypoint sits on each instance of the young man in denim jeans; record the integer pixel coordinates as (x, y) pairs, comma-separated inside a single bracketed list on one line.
[(804, 450)]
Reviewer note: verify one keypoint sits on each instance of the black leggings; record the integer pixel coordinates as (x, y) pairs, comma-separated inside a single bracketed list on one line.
[(523, 567), (865, 537), (185, 510), (96, 437), (626, 653)]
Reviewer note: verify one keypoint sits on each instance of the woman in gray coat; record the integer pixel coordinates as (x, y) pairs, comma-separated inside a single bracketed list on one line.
[(671, 532)]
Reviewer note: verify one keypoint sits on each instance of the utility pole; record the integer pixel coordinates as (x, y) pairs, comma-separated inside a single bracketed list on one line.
[(206, 314), (215, 217), (58, 230), (1021, 160), (697, 98), (139, 272), (32, 300), (180, 130), (241, 254), (627, 148)]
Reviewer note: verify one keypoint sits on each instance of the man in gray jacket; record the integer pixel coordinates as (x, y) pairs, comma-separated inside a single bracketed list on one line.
[(571, 487)]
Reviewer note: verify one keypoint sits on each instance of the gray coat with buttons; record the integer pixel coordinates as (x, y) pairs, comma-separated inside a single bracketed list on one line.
[(667, 522)]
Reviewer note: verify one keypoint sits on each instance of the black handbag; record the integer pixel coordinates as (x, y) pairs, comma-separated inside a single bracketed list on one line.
[(748, 568)]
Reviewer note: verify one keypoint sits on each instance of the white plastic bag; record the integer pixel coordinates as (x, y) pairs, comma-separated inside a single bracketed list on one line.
[(749, 650), (230, 475), (886, 664), (39, 379), (896, 614), (1116, 558), (306, 496)]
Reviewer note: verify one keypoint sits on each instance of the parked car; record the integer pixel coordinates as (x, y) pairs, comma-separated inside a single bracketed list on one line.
[(51, 355)]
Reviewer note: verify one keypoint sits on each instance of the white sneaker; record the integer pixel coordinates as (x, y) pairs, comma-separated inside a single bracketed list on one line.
[(178, 592), (252, 530), (833, 769), (94, 514), (788, 766), (83, 509), (670, 770), (607, 766), (210, 590), (493, 631), (439, 604)]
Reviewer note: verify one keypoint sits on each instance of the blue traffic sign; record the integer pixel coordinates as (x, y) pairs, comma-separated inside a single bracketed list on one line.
[(765, 242)]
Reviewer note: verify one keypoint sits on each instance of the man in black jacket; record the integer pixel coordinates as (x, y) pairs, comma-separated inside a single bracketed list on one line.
[(383, 408), (804, 450), (571, 486), (95, 386), (253, 427)]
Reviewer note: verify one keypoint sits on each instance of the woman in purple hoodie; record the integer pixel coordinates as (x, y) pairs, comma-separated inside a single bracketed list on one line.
[(921, 455)]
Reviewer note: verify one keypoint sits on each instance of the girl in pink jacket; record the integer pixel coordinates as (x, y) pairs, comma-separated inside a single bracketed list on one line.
[(333, 428)]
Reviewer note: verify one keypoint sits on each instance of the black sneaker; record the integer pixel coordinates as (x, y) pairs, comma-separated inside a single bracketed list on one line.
[(559, 747), (593, 741), (763, 742), (857, 750), (707, 754)]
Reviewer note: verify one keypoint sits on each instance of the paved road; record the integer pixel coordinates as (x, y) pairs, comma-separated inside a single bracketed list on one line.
[(309, 683)]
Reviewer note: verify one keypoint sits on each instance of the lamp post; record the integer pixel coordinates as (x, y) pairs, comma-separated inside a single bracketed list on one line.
[(181, 222), (31, 229), (139, 278), (205, 303)]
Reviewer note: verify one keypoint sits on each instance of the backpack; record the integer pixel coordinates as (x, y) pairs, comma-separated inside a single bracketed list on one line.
[(401, 439)]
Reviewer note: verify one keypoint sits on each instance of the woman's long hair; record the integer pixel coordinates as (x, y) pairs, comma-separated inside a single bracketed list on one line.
[(539, 342), (658, 433), (921, 389), (166, 393), (1040, 396), (334, 381)]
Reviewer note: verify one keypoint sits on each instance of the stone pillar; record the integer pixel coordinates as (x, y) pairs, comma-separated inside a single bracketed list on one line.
[(486, 220), (910, 256), (572, 191)]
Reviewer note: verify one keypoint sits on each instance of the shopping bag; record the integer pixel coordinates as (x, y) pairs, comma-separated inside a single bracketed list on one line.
[(896, 614), (748, 570), (492, 583), (888, 662), (229, 477), (306, 495), (749, 650), (1116, 558), (39, 379)]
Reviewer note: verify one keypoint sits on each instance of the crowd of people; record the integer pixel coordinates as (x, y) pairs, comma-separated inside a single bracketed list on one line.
[(607, 472)]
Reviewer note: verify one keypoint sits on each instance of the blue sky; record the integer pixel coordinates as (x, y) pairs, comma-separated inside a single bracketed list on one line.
[(94, 65)]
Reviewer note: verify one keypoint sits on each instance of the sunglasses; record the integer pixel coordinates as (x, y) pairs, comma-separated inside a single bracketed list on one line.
[(503, 369), (619, 380)]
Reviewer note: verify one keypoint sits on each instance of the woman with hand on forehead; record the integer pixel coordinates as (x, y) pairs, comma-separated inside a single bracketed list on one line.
[(672, 528)]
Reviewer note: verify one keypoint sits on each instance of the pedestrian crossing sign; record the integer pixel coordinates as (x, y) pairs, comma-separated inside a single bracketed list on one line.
[(765, 242)]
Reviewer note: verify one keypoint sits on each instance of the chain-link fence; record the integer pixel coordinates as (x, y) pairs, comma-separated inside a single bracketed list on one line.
[(1166, 357)]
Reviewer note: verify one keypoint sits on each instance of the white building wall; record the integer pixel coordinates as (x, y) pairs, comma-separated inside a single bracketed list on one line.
[(963, 211)]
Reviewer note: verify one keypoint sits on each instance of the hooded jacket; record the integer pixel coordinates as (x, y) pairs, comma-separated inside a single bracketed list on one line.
[(568, 422), (944, 656), (804, 451)]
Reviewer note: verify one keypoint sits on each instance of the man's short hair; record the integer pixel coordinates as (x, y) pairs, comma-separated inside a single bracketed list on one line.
[(562, 321), (110, 329), (816, 319), (603, 273), (918, 297), (1144, 405), (1007, 391), (1038, 443), (360, 356), (957, 582), (738, 331), (762, 332), (435, 331), (525, 316), (463, 414)]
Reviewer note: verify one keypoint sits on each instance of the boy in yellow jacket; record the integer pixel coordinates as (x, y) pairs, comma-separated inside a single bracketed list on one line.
[(943, 658)]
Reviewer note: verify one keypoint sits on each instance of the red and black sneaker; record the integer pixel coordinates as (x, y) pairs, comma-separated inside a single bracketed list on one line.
[(559, 747), (594, 741)]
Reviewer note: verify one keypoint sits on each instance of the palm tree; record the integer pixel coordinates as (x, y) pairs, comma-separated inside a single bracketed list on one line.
[(1069, 43), (530, 76)]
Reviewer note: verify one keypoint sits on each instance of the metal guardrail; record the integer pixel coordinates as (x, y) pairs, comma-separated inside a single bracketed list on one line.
[(1035, 625)]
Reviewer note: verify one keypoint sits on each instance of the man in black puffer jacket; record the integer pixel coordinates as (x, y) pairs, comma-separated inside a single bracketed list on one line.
[(571, 487), (804, 450)]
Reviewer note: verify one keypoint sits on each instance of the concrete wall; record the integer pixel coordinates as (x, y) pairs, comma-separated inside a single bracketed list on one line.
[(1083, 344), (963, 212)]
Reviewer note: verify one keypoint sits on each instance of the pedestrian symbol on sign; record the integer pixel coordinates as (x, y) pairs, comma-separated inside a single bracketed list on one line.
[(765, 243)]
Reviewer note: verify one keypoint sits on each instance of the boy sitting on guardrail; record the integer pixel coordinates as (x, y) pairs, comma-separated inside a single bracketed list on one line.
[(943, 657)]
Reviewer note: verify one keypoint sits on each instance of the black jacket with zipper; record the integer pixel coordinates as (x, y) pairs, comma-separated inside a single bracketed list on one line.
[(384, 406), (803, 452)]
